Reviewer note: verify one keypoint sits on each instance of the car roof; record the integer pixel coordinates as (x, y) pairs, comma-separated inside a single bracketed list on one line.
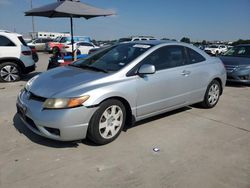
[(9, 33), (151, 42)]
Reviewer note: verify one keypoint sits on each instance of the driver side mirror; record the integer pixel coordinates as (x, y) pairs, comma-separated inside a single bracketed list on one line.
[(146, 69)]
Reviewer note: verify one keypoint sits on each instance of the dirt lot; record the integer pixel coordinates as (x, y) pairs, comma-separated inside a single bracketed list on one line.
[(198, 148)]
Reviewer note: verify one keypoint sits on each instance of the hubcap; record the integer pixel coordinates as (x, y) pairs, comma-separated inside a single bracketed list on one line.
[(213, 94), (9, 73), (110, 122)]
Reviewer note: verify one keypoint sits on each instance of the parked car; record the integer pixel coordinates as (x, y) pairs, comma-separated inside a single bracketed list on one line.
[(82, 47), (136, 38), (237, 63), (215, 49), (39, 44), (59, 43), (15, 57), (97, 96)]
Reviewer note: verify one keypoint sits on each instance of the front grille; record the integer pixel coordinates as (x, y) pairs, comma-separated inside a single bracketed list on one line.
[(231, 68), (245, 77)]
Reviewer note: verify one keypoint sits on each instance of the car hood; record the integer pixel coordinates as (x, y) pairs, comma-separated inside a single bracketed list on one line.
[(58, 80), (235, 60)]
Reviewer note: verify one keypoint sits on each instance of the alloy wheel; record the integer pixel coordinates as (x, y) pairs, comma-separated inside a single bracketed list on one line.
[(213, 94), (9, 73), (110, 122)]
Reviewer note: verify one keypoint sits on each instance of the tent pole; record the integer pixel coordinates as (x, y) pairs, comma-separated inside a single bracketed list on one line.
[(72, 39)]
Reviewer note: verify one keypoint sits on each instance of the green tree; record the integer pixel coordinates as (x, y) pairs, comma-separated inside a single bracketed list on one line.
[(240, 41), (204, 42)]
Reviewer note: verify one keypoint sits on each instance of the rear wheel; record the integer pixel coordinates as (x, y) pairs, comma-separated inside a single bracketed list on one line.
[(212, 94), (107, 122), (9, 72)]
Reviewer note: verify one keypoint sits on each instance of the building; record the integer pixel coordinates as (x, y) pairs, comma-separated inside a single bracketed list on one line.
[(52, 35)]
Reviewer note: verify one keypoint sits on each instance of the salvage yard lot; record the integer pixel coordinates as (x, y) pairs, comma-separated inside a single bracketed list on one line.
[(198, 148)]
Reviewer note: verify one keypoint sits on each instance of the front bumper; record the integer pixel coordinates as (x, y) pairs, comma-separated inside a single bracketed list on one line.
[(62, 124), (240, 76)]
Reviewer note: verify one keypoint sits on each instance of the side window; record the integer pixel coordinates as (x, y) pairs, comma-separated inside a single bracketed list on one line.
[(63, 40), (194, 57), (5, 41), (166, 57)]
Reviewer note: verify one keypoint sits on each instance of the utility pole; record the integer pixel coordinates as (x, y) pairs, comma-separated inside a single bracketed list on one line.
[(33, 23)]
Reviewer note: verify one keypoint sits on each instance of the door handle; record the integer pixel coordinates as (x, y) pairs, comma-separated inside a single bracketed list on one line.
[(185, 73)]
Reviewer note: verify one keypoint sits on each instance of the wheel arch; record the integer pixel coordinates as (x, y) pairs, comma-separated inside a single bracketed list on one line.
[(13, 60), (130, 119)]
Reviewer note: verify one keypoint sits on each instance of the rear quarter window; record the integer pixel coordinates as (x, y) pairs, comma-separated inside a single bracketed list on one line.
[(4, 41), (194, 57)]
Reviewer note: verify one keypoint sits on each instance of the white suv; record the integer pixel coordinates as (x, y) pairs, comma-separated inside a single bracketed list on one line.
[(215, 49), (15, 57)]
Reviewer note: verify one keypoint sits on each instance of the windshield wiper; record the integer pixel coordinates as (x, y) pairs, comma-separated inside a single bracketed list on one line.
[(90, 68)]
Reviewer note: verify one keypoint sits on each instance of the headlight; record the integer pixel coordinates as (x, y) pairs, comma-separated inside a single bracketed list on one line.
[(65, 102), (30, 82)]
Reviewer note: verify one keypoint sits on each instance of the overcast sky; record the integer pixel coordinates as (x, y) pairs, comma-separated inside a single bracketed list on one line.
[(197, 19)]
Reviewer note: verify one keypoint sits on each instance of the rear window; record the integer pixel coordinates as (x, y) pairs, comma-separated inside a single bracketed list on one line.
[(4, 41), (22, 41)]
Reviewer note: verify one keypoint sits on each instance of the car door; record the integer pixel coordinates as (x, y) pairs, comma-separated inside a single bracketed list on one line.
[(199, 75), (168, 87), (8, 48), (38, 44)]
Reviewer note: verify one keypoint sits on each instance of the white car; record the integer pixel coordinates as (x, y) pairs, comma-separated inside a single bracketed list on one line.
[(216, 49), (82, 47), (15, 57)]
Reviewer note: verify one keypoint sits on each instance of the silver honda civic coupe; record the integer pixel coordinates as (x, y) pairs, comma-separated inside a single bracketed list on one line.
[(95, 97)]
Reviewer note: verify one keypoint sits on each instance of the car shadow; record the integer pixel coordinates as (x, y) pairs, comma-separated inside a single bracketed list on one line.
[(21, 127), (154, 118), (234, 84), (30, 75)]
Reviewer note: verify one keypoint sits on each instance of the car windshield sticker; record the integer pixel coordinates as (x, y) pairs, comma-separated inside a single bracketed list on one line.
[(141, 46)]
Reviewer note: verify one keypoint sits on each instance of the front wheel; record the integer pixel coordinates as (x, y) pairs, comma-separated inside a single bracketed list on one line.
[(107, 122), (212, 94)]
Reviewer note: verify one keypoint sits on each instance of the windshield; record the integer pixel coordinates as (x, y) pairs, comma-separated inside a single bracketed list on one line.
[(238, 51), (114, 58)]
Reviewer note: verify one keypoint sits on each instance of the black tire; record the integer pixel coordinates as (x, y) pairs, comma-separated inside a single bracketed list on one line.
[(207, 100), (55, 49), (10, 72), (94, 134)]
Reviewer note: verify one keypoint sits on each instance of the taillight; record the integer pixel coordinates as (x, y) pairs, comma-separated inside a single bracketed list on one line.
[(26, 52), (66, 46)]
